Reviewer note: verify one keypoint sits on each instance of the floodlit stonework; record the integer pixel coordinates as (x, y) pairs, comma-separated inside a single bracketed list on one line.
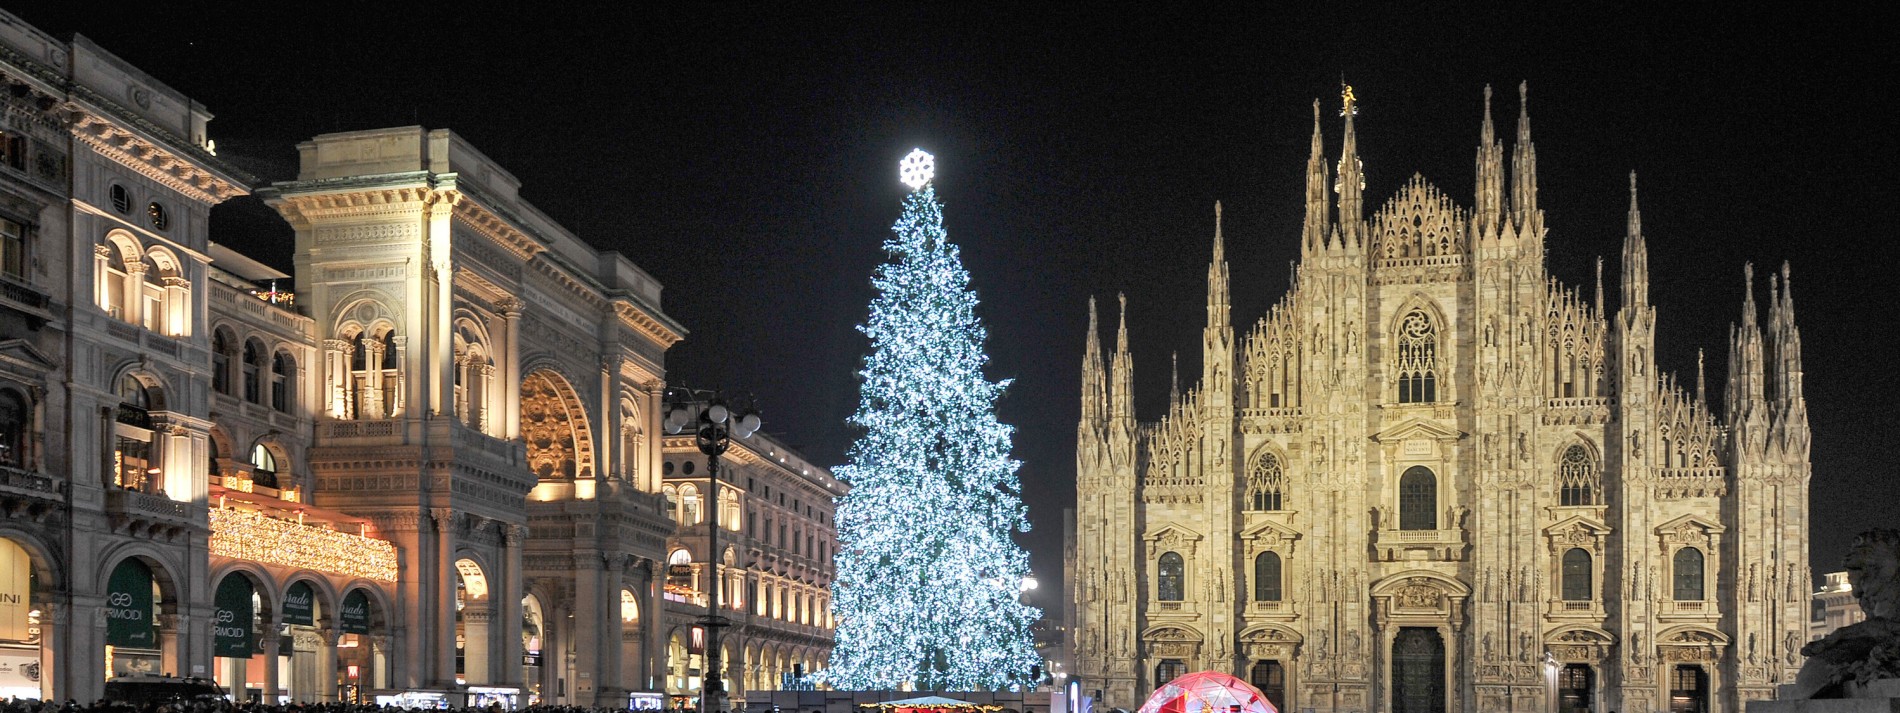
[(1435, 478)]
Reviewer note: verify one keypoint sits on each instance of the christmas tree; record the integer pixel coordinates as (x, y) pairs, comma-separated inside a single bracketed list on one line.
[(928, 584)]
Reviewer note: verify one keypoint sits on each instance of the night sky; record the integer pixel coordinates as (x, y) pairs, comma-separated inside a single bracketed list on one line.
[(747, 157)]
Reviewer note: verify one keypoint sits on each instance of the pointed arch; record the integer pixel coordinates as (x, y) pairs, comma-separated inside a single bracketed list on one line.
[(1418, 364), (1266, 481), (555, 426), (1579, 475)]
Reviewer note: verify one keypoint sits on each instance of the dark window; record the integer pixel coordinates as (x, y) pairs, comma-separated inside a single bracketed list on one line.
[(15, 423), (1688, 575), (666, 468), (1575, 685), (280, 371), (13, 150), (1270, 678), (1688, 689), (1168, 670), (121, 199), (263, 466), (1418, 499), (160, 220), (687, 467), (391, 359), (1266, 577), (1576, 575), (253, 368), (12, 249), (1172, 577), (221, 353)]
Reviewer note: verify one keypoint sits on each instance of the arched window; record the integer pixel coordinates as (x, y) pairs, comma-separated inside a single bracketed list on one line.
[(253, 371), (1577, 575), (629, 607), (132, 464), (281, 369), (263, 466), (223, 352), (1266, 484), (1266, 577), (392, 376), (1577, 482), (1418, 499), (1688, 575), (690, 510), (16, 422), (1172, 580), (671, 496), (1418, 359)]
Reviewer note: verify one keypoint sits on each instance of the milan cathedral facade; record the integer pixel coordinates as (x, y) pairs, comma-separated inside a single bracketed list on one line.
[(1434, 478)]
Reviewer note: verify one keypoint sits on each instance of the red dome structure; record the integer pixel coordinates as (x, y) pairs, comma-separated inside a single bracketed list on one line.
[(1207, 692)]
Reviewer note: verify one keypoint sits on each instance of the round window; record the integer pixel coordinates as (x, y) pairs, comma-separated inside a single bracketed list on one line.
[(121, 199), (160, 220), (666, 468), (687, 468)]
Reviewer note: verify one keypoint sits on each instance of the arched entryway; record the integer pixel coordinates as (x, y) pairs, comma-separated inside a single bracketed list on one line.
[(1418, 614), (141, 621), (472, 618), (361, 659), (305, 664), (24, 655), (555, 428), (240, 618)]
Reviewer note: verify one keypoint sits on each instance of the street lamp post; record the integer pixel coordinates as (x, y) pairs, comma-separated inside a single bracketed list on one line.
[(716, 425)]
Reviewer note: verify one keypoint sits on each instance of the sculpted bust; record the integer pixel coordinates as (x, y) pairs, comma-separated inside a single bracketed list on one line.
[(1848, 661)]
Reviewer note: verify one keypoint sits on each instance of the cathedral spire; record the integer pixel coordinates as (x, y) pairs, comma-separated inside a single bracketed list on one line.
[(1121, 396), (1701, 381), (1351, 181), (1524, 164), (1094, 380), (1490, 198), (1635, 256), (1317, 212), (1790, 405), (1174, 385), (1745, 400), (1599, 285), (1217, 296)]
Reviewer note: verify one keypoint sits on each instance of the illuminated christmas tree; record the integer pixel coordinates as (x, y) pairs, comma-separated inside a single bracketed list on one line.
[(928, 585)]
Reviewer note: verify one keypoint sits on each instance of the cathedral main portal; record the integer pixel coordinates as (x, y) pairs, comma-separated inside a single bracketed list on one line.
[(1418, 671)]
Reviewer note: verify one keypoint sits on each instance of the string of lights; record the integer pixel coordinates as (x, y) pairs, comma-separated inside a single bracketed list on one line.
[(255, 537)]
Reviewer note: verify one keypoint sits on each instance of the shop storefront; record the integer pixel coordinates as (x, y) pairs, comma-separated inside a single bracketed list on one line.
[(20, 669), (132, 634)]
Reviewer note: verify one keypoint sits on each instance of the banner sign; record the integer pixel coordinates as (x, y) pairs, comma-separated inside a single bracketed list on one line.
[(355, 612), (129, 607), (16, 591), (300, 605), (231, 612)]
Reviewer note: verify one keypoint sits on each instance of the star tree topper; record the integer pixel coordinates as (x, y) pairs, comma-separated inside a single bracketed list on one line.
[(917, 169)]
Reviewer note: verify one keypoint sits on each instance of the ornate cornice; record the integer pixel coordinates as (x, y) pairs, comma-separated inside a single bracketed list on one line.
[(183, 174), (640, 320), (301, 209), (491, 225)]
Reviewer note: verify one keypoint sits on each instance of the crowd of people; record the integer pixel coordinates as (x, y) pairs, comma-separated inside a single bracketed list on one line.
[(18, 705)]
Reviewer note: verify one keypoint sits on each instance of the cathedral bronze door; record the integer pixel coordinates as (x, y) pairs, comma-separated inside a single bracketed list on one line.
[(1688, 690), (1418, 671)]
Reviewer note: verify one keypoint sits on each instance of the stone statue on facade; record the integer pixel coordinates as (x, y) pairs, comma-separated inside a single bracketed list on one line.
[(1861, 660)]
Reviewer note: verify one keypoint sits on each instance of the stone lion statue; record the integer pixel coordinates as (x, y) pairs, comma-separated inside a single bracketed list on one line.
[(1847, 662)]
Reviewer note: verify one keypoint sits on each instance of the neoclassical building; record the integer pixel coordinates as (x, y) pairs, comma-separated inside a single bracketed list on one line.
[(427, 462), (1435, 478), (774, 567)]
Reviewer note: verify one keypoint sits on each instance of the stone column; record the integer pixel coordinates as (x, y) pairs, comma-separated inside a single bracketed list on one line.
[(508, 359), (369, 403), (326, 664), (441, 624), (588, 622), (507, 605), (170, 643), (134, 307), (475, 632), (271, 643), (176, 321)]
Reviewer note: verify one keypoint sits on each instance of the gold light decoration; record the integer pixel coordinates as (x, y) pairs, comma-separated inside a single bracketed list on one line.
[(254, 537)]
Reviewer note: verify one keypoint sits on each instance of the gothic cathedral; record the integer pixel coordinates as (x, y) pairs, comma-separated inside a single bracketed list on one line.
[(1433, 479)]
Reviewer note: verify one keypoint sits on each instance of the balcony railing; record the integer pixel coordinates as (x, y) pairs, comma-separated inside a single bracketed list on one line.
[(12, 477)]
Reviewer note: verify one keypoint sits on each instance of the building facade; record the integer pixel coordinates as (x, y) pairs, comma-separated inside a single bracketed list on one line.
[(777, 533), (1435, 478), (1835, 606), (431, 468)]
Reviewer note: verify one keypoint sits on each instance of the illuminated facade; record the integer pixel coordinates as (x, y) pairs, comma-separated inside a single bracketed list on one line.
[(776, 538), (1434, 478), (428, 462)]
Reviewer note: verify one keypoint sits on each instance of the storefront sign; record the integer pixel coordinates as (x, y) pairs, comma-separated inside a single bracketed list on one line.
[(646, 701), (300, 605), (355, 612), (16, 591), (231, 633), (129, 607)]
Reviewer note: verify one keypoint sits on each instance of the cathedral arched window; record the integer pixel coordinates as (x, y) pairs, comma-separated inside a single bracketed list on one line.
[(1418, 359), (1266, 484), (1172, 579), (1688, 573), (1576, 575), (1577, 482), (1418, 499), (1266, 577)]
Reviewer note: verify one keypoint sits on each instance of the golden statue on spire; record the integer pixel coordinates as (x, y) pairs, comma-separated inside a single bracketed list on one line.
[(1349, 104)]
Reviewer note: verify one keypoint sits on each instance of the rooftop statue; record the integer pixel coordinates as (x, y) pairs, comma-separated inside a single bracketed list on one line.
[(1848, 662)]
